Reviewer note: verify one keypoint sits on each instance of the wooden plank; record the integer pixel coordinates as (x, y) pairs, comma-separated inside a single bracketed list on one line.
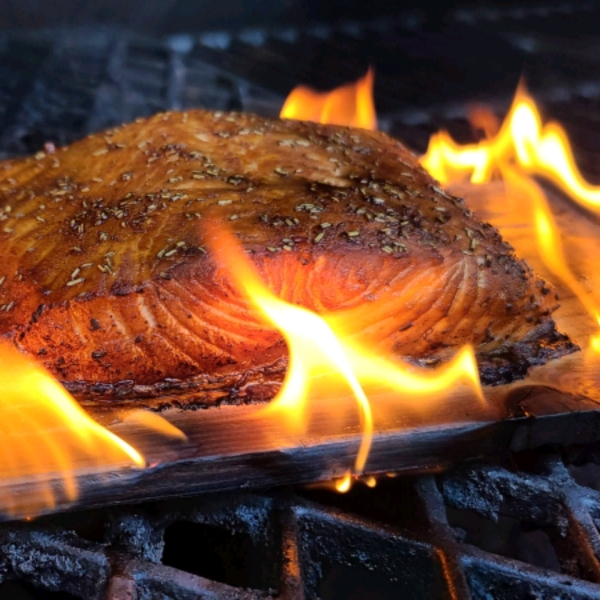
[(236, 447)]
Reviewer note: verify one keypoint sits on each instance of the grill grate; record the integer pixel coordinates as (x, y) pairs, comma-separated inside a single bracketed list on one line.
[(479, 531)]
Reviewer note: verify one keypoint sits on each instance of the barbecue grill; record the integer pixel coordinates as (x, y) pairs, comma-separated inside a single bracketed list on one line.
[(521, 522), (521, 528)]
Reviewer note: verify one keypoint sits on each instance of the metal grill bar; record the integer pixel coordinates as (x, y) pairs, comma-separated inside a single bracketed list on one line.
[(306, 545)]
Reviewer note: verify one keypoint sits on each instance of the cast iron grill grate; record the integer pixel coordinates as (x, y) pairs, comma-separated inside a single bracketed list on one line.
[(522, 529)]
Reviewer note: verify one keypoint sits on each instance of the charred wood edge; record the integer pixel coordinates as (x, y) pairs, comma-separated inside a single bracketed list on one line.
[(228, 450)]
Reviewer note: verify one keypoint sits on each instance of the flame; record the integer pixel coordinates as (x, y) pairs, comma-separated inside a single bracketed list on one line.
[(351, 104), (377, 371), (522, 141), (521, 148), (325, 364), (548, 239), (315, 352), (45, 434), (370, 481), (154, 423), (344, 484)]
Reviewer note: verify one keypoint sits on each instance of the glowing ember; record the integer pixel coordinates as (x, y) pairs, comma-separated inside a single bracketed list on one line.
[(351, 104), (343, 485), (521, 148), (45, 434), (325, 364)]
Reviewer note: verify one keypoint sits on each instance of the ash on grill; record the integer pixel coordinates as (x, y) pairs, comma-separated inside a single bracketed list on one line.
[(524, 528)]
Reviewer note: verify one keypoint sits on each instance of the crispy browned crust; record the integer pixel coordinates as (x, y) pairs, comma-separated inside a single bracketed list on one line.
[(107, 280)]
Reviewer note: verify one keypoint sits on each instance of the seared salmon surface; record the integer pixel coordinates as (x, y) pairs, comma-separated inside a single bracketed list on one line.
[(106, 277)]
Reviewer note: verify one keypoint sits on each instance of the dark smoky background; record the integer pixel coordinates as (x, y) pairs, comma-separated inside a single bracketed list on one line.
[(168, 16), (69, 67), (483, 530), (425, 52)]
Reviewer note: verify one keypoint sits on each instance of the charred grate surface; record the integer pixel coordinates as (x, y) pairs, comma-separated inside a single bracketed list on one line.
[(523, 529)]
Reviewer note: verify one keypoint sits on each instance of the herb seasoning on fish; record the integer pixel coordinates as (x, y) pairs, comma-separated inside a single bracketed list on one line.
[(339, 220)]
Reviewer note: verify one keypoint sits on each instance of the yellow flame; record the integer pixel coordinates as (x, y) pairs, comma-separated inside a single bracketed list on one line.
[(522, 141), (546, 151), (153, 422), (375, 370), (523, 147), (595, 342), (351, 104), (324, 362), (548, 238), (315, 352), (45, 434), (370, 481), (344, 484)]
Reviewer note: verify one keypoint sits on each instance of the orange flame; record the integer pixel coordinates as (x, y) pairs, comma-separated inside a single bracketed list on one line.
[(315, 351), (45, 434), (154, 423), (344, 484), (549, 241), (522, 141), (351, 104), (523, 147), (324, 363)]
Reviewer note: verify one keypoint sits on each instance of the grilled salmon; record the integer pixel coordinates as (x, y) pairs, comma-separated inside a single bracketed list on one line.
[(107, 280)]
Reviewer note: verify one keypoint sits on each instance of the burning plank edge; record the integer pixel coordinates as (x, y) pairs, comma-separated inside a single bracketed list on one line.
[(224, 453)]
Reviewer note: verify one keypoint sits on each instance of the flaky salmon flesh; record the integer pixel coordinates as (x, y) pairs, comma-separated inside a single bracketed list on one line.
[(106, 277)]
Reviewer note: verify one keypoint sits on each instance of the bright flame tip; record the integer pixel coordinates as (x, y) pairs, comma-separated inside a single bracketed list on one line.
[(45, 434), (344, 484), (350, 104), (370, 481)]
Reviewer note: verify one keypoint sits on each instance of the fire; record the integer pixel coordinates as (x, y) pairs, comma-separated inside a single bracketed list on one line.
[(521, 148), (522, 141), (45, 435), (370, 481), (548, 240), (377, 371), (351, 104), (344, 484), (154, 423), (325, 366), (315, 352)]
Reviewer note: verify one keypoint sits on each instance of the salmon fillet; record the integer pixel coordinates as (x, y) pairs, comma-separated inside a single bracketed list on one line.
[(107, 280)]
